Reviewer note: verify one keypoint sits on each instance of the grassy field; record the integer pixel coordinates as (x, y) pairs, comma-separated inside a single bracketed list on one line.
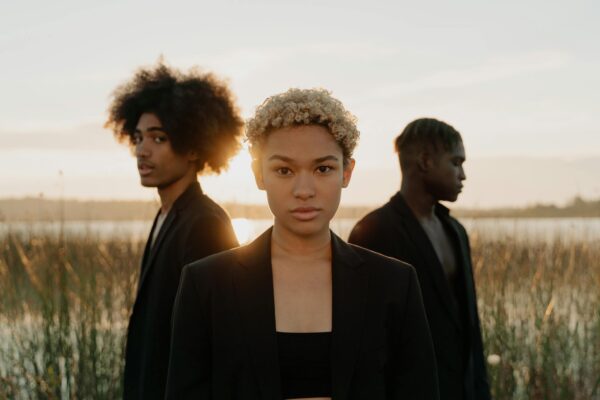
[(65, 305)]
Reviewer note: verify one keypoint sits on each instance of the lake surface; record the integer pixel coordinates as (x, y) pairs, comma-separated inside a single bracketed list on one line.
[(530, 229)]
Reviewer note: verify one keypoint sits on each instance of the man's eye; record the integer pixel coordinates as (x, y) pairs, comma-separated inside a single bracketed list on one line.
[(323, 169), (284, 171), (160, 139)]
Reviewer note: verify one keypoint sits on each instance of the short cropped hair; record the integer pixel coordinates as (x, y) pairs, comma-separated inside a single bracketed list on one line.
[(196, 109), (426, 133), (297, 107)]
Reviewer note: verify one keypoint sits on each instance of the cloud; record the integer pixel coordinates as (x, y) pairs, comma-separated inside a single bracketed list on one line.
[(243, 63), (53, 136), (494, 69)]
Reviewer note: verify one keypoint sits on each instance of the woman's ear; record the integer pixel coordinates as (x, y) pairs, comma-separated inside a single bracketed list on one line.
[(258, 175), (348, 168)]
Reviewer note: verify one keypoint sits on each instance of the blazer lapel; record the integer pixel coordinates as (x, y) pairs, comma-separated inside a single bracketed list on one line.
[(463, 258), (180, 204), (146, 254), (149, 261), (254, 289), (433, 266), (350, 284)]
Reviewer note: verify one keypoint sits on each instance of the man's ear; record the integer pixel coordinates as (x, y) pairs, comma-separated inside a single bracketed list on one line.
[(424, 161), (192, 156), (258, 175), (348, 168)]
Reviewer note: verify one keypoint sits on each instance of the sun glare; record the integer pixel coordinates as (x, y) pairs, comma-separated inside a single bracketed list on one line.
[(242, 228), (240, 164)]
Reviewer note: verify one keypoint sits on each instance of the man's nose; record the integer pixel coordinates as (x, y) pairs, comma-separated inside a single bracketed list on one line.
[(142, 149)]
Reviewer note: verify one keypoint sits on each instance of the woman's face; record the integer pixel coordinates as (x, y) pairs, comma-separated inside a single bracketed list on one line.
[(302, 170)]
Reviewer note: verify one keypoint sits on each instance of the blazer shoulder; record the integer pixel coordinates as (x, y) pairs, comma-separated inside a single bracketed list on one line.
[(204, 207), (377, 221), (379, 215), (382, 262), (214, 265)]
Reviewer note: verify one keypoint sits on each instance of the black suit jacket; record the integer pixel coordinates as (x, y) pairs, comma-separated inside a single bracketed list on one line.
[(194, 228), (224, 341), (393, 230)]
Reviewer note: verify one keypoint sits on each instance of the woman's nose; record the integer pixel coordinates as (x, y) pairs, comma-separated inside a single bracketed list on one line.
[(304, 187)]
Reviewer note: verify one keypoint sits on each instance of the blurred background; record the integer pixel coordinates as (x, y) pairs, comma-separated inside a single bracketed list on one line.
[(519, 80)]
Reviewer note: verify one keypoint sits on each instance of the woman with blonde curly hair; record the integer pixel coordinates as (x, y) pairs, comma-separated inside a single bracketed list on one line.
[(299, 313)]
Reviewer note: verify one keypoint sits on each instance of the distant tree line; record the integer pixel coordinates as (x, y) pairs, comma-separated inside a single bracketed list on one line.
[(32, 209), (576, 208)]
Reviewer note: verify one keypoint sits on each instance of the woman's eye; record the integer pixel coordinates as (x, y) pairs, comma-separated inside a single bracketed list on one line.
[(284, 171), (324, 169), (136, 139), (160, 139)]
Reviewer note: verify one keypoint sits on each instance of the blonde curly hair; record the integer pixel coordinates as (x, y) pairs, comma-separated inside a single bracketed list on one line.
[(297, 107)]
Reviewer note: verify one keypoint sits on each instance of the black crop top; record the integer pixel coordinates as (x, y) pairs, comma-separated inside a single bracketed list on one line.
[(305, 364)]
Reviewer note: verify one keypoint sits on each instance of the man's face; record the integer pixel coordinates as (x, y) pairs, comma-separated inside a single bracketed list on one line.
[(302, 170), (444, 178), (158, 165)]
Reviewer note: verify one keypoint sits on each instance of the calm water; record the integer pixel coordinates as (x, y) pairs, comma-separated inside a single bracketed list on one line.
[(531, 229)]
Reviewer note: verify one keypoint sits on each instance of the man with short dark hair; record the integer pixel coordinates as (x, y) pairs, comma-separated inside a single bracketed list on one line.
[(414, 227), (179, 125)]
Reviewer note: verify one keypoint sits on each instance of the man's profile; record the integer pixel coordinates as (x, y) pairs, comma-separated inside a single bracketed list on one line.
[(414, 227), (179, 125)]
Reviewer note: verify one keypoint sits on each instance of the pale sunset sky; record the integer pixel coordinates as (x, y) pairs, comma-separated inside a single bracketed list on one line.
[(519, 79)]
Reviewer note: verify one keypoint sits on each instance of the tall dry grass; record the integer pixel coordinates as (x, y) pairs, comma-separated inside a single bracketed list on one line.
[(65, 305), (539, 305), (63, 316)]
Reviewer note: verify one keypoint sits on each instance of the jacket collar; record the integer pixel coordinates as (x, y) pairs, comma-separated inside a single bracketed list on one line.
[(193, 191), (254, 288)]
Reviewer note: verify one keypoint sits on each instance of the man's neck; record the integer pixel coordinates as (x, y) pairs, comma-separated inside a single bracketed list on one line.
[(422, 204), (169, 194)]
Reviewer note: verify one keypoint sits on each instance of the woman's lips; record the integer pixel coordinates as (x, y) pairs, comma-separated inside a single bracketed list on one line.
[(305, 213)]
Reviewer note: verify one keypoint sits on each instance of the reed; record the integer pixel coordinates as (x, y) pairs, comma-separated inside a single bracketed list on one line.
[(65, 306), (64, 312), (539, 305)]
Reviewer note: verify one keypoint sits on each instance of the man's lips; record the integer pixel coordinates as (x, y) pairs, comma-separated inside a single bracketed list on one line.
[(145, 168), (305, 213)]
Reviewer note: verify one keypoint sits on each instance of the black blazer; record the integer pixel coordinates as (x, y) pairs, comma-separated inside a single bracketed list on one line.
[(393, 230), (224, 341), (194, 228)]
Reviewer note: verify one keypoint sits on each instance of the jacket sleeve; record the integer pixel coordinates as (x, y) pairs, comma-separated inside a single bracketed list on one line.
[(414, 371), (482, 387), (190, 360)]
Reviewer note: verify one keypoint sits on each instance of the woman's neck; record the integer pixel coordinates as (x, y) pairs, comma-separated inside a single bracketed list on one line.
[(287, 244)]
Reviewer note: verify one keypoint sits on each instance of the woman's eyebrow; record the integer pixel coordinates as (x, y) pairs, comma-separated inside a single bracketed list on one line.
[(280, 158), (291, 160), (326, 158)]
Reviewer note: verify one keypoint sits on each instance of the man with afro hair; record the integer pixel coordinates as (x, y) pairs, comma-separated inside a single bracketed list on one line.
[(179, 125)]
